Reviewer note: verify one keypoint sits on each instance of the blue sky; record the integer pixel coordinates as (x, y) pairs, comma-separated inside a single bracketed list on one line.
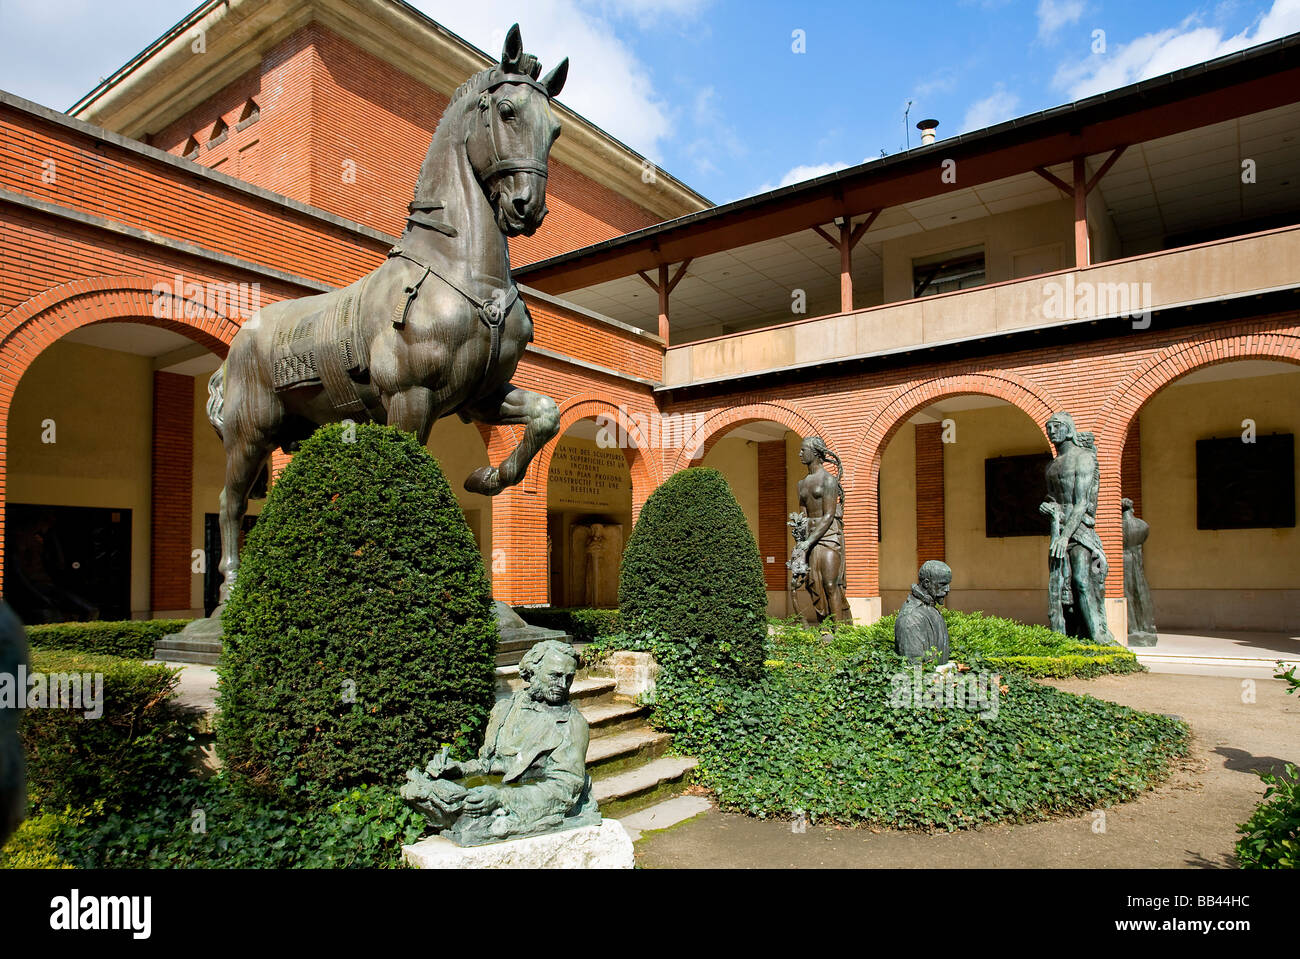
[(713, 90)]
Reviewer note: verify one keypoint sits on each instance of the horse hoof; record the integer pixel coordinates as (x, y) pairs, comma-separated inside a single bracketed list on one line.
[(486, 480)]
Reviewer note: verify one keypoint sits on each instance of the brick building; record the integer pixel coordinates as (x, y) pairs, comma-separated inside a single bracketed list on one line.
[(1133, 258)]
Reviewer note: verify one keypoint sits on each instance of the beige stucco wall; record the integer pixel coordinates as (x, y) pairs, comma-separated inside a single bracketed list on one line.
[(737, 460), (459, 450), (1001, 235), (103, 446), (1006, 575), (1215, 579)]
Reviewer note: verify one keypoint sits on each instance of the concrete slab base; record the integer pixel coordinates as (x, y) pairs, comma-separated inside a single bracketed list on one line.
[(606, 846)]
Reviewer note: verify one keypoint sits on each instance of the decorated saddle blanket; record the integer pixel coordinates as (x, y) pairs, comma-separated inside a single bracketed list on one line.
[(325, 347)]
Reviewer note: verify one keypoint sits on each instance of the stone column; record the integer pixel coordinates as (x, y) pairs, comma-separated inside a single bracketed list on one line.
[(519, 562), (171, 495), (929, 493), (773, 534)]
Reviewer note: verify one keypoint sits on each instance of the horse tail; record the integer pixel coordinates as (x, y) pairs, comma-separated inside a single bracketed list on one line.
[(217, 399)]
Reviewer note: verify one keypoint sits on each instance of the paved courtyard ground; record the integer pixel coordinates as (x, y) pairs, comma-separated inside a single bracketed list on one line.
[(1189, 821)]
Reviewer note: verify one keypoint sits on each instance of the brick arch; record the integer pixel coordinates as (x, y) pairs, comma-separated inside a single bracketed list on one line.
[(30, 327), (1125, 403), (862, 464), (642, 464), (718, 424)]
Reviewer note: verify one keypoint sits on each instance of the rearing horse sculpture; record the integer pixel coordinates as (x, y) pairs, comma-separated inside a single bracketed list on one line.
[(438, 328)]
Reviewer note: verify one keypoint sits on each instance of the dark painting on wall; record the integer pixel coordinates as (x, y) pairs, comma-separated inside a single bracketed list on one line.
[(1242, 485), (67, 563), (1013, 488)]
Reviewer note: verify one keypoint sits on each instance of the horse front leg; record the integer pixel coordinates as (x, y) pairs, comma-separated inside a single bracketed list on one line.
[(244, 458), (508, 406), (412, 410)]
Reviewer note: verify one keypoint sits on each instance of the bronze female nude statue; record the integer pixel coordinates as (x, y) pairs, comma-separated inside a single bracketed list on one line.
[(817, 580)]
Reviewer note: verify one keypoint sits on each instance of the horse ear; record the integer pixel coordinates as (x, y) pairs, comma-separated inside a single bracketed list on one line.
[(554, 81), (513, 51)]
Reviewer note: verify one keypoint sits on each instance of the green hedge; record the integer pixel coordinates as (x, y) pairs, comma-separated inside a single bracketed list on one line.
[(1016, 647), (583, 623), (132, 638), (216, 824), (691, 575), (360, 636), (141, 740)]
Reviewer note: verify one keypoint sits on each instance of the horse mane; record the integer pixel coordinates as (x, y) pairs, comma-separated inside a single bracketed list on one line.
[(471, 87)]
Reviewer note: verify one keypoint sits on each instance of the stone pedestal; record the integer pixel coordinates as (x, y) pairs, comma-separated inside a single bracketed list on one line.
[(1117, 618), (634, 674), (516, 637), (199, 642), (865, 609), (606, 846), (1141, 640)]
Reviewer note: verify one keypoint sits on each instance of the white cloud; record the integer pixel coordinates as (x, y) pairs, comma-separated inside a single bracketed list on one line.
[(800, 173), (607, 83), (1171, 49), (999, 105), (1055, 14), (718, 139), (653, 13)]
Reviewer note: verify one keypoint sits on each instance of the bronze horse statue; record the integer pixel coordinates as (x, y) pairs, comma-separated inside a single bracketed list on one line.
[(438, 328)]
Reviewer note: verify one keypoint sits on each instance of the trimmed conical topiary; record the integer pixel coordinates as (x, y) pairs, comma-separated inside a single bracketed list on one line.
[(359, 636), (691, 575)]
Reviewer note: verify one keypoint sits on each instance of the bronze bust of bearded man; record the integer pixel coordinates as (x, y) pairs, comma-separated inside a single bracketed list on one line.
[(530, 776), (919, 631)]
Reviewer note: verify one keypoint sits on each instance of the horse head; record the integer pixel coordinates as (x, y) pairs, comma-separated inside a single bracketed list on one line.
[(509, 138)]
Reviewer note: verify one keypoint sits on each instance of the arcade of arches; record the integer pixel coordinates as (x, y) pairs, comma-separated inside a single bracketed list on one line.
[(90, 472)]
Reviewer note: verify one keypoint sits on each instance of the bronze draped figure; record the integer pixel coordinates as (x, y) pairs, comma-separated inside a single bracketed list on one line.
[(438, 328), (1077, 565)]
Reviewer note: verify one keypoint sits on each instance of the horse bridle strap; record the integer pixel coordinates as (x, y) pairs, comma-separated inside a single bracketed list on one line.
[(521, 164), (492, 312)]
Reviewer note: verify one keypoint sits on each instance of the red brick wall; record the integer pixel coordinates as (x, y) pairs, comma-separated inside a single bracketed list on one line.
[(104, 180), (1131, 466), (326, 103), (929, 492), (573, 334), (171, 499), (773, 533)]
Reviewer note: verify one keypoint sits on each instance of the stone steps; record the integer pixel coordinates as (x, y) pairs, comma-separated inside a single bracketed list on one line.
[(642, 786), (609, 718), (607, 755), (172, 649)]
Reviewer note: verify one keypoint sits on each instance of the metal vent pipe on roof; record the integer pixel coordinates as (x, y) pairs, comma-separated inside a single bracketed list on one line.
[(927, 128)]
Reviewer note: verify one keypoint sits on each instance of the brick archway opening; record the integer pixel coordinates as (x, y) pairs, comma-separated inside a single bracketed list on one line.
[(1121, 420), (862, 533), (160, 545), (575, 485)]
